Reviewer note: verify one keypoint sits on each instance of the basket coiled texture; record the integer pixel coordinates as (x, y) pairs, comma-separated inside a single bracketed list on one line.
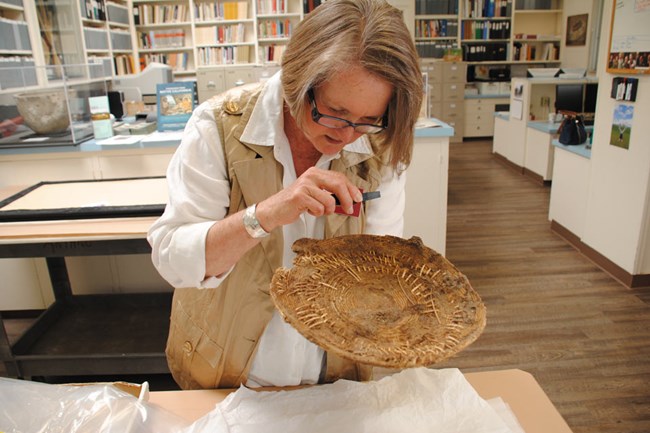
[(379, 300)]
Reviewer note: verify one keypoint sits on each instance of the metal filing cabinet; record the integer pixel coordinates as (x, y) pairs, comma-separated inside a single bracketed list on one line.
[(446, 92), (479, 116)]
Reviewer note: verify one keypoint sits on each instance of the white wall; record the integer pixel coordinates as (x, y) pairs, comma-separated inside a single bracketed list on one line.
[(618, 207), (576, 57)]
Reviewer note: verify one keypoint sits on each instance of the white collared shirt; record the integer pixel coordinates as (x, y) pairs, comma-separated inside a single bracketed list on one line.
[(199, 193)]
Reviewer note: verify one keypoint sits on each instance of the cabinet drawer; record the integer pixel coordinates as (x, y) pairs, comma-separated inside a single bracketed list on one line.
[(435, 110), (433, 70), (487, 106), (478, 129), (479, 118), (454, 72), (458, 130), (453, 92), (435, 92), (452, 108), (209, 82)]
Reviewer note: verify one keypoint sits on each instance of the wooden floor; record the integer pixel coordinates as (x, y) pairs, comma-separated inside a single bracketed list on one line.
[(583, 335)]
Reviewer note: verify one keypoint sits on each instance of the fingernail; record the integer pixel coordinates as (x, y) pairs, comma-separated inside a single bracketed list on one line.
[(358, 197), (349, 210)]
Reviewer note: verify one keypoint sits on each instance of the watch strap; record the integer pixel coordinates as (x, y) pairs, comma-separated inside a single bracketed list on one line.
[(252, 225)]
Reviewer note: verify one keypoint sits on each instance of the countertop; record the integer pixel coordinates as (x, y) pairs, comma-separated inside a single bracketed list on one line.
[(578, 149), (162, 141)]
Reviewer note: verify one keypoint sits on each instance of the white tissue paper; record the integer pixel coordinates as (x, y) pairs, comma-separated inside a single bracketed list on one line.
[(33, 407), (414, 400)]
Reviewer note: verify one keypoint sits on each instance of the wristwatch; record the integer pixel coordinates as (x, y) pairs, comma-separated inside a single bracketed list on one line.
[(252, 225)]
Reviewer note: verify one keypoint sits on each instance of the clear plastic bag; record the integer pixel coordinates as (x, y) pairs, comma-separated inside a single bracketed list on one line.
[(33, 407)]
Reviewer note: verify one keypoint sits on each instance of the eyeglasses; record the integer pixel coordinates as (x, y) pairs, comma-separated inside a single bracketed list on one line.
[(337, 122)]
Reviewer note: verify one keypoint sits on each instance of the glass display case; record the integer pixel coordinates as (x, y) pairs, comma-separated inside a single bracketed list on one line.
[(54, 115)]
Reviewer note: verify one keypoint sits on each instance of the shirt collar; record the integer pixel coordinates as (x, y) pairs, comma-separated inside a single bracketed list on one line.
[(266, 123)]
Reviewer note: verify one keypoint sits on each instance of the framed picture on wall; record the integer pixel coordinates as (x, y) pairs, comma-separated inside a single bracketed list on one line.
[(576, 30), (629, 38)]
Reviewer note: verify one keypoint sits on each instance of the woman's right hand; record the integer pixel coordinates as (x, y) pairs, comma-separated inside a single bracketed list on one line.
[(312, 193)]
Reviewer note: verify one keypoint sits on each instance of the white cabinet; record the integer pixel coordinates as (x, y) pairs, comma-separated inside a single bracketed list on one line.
[(505, 143), (539, 153), (569, 191), (425, 214)]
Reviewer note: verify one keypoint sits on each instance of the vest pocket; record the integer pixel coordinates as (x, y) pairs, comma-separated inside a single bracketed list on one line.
[(192, 356)]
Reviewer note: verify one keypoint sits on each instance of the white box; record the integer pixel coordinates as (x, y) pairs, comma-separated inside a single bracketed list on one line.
[(488, 88), (504, 87)]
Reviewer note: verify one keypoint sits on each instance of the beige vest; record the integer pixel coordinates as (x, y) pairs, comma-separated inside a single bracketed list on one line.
[(214, 332)]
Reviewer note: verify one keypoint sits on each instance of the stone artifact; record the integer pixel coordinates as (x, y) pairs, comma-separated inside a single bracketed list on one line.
[(378, 300)]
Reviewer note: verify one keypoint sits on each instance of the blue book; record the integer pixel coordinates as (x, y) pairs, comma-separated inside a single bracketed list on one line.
[(175, 103)]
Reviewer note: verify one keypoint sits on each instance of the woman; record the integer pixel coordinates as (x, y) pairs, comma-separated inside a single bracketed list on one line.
[(258, 168)]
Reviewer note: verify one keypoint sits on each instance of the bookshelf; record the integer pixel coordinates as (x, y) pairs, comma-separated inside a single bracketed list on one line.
[(490, 32), (275, 21), (164, 34), (537, 35), (213, 33), (107, 38)]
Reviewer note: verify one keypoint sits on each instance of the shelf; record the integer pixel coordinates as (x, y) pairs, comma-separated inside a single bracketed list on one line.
[(97, 335), (488, 19), (538, 11), (164, 25), (437, 38), (273, 40), (436, 17), (15, 52), (557, 39), (164, 50), (275, 16), (7, 6), (469, 41), (222, 22), (226, 44)]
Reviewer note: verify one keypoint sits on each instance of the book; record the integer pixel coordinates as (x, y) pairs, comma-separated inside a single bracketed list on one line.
[(175, 103)]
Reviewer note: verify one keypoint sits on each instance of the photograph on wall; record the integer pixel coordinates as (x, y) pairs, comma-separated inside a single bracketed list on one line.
[(622, 126), (576, 30)]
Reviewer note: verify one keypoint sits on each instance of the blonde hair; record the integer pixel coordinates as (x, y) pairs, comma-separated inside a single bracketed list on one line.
[(369, 33)]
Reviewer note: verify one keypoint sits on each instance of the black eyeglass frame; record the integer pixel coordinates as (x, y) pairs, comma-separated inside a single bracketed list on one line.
[(366, 128)]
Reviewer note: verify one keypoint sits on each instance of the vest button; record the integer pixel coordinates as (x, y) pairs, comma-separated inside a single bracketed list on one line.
[(187, 347)]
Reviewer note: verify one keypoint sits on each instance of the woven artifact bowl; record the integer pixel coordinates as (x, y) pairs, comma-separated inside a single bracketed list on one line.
[(378, 300)]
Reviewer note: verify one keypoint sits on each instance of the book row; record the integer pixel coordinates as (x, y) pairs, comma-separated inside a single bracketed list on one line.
[(221, 11), (485, 52), (436, 7), (434, 49), (223, 55), (177, 61), (220, 34), (271, 53), (269, 7), (146, 14), (275, 28), (436, 28), (485, 30), (169, 38), (487, 8)]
